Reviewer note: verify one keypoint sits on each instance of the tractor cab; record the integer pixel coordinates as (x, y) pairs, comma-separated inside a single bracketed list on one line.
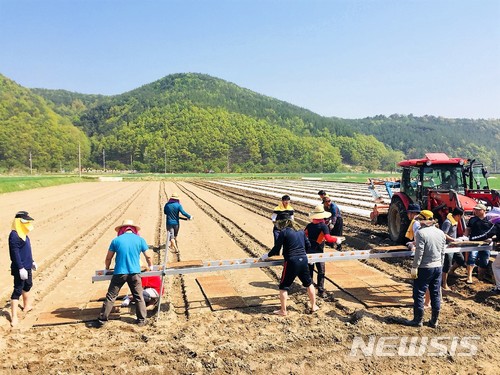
[(418, 180), (476, 176), (432, 181)]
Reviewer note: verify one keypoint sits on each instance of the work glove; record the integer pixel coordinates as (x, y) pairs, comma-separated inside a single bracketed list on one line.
[(414, 273), (410, 245), (34, 266), (339, 241), (264, 257), (191, 218), (23, 274), (152, 267), (126, 301)]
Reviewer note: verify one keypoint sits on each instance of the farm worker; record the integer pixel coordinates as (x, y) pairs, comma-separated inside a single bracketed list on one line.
[(22, 263), (495, 267), (427, 267), (171, 210), (479, 228), (283, 210), (449, 228), (294, 243), (440, 213), (127, 246), (317, 233), (322, 194), (151, 289), (335, 223), (410, 233), (412, 212)]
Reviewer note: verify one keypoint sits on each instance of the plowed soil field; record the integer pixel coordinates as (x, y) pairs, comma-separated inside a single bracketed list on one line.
[(74, 226)]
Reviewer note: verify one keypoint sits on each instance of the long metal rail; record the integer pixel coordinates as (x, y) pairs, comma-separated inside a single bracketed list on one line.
[(244, 263)]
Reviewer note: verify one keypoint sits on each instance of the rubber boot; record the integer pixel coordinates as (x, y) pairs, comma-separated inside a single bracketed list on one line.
[(433, 323), (418, 317), (481, 273)]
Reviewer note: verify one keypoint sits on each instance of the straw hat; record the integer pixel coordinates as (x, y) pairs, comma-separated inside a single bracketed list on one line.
[(480, 206), (174, 196), (127, 223), (319, 213)]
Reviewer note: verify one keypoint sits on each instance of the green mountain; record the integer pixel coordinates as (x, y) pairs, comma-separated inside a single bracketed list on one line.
[(69, 104), (194, 122), (479, 139), (30, 128), (203, 123)]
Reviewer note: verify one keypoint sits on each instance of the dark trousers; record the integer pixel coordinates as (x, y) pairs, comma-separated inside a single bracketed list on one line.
[(135, 285), (448, 258), (320, 267), (20, 285), (459, 259), (338, 228), (427, 278), (276, 233)]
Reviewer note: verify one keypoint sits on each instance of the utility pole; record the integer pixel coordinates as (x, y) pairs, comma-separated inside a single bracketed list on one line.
[(31, 164), (79, 160), (165, 161)]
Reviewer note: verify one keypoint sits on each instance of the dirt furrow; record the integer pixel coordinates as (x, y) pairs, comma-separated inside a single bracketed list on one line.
[(360, 234), (62, 263)]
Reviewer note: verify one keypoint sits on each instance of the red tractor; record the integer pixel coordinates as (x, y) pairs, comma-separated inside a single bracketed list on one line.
[(432, 181)]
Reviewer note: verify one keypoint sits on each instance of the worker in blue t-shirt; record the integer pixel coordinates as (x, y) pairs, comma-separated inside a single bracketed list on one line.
[(172, 210), (127, 246)]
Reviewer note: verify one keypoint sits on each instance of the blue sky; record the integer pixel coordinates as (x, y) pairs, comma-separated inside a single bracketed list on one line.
[(343, 58)]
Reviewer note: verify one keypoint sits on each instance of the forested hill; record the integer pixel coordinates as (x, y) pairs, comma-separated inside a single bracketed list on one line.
[(67, 103), (206, 91), (202, 123), (478, 139), (29, 127), (197, 122)]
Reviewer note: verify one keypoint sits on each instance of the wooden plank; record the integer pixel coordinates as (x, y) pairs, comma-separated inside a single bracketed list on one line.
[(390, 248), (378, 280), (219, 293), (371, 287), (100, 294), (185, 264), (467, 243), (71, 315)]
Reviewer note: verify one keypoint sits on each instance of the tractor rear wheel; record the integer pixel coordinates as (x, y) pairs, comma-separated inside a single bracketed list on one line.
[(398, 221)]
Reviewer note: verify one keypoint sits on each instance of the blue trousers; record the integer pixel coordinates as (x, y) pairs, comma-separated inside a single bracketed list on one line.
[(427, 278)]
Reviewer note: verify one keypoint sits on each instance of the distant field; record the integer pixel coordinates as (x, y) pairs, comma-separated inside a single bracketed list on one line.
[(10, 184), (341, 177), (495, 182), (16, 183)]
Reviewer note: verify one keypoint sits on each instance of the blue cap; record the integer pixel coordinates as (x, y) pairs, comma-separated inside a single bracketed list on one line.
[(413, 207)]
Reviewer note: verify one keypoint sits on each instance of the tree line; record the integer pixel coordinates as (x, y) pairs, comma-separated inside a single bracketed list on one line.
[(194, 123)]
